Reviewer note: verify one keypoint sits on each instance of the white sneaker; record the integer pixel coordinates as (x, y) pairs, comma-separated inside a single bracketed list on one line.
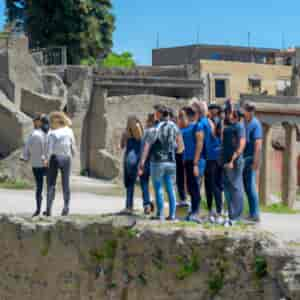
[(219, 220), (212, 218)]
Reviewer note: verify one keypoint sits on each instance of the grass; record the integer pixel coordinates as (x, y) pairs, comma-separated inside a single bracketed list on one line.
[(279, 208), (17, 184), (187, 266), (261, 267)]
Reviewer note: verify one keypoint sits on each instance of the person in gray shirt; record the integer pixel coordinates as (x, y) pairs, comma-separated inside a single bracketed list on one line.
[(34, 151)]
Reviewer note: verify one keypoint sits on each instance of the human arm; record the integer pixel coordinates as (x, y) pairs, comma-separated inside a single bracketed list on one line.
[(123, 141), (145, 154), (180, 144), (26, 150), (198, 151), (73, 144), (256, 156)]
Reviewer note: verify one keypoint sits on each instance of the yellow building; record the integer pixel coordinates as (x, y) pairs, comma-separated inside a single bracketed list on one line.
[(230, 79)]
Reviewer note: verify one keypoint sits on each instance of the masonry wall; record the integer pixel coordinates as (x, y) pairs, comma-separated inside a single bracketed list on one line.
[(238, 75), (104, 123)]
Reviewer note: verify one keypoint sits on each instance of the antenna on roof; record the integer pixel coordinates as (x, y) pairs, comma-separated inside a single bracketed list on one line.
[(157, 40), (249, 39), (282, 41), (198, 36)]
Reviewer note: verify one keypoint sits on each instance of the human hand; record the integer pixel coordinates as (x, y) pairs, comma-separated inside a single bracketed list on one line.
[(46, 163), (140, 171), (196, 171), (229, 165)]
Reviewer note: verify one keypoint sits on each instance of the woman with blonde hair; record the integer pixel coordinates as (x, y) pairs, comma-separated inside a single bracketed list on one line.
[(131, 141), (61, 148)]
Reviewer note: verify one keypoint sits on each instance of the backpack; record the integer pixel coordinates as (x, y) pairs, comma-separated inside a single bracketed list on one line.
[(163, 150)]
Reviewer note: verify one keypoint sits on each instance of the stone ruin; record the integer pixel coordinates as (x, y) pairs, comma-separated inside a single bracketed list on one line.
[(115, 257), (97, 100)]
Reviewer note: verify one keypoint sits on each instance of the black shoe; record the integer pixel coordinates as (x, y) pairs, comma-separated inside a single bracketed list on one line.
[(65, 212), (36, 214), (46, 214)]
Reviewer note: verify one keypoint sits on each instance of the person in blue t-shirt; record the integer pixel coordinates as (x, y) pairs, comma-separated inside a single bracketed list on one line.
[(192, 178), (252, 153), (233, 145), (214, 170)]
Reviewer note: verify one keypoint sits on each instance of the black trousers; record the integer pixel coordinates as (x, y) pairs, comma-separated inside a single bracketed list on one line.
[(39, 174), (193, 185), (214, 178), (62, 164), (180, 182)]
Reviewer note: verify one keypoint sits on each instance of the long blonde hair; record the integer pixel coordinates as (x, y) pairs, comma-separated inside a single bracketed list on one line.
[(134, 128), (58, 120)]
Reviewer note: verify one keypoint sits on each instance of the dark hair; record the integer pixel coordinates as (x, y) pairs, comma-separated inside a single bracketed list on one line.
[(189, 111), (249, 106), (37, 116), (45, 123), (215, 106), (228, 106)]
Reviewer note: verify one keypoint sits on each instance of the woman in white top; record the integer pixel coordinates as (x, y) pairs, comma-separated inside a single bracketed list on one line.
[(60, 150)]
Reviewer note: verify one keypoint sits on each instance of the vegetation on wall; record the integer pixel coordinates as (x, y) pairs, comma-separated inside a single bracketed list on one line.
[(114, 60)]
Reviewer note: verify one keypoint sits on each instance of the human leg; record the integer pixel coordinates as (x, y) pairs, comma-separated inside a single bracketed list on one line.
[(51, 183), (157, 181), (169, 181), (65, 167)]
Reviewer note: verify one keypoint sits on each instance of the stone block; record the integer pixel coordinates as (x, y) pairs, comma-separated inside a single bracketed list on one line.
[(32, 102)]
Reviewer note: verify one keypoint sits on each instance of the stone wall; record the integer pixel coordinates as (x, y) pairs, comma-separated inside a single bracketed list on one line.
[(32, 102), (15, 126), (104, 124), (118, 258)]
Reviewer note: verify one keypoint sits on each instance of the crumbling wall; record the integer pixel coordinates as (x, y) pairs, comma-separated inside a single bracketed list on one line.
[(15, 126), (32, 102), (104, 123), (113, 257)]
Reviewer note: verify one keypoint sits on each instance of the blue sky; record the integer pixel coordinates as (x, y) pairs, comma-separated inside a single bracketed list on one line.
[(218, 22)]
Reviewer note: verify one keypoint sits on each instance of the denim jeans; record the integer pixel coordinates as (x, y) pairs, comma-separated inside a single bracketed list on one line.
[(249, 177), (164, 175), (62, 163), (233, 188), (214, 185), (39, 174)]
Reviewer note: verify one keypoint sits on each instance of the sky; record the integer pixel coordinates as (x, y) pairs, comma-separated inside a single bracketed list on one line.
[(272, 23)]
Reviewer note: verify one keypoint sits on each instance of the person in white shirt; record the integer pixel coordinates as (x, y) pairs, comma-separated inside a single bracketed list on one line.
[(34, 151), (61, 148)]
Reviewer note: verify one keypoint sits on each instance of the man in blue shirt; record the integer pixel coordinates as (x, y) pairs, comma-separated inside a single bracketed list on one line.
[(192, 178), (252, 153)]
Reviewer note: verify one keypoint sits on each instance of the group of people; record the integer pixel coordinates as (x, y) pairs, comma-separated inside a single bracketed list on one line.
[(217, 145), (50, 149)]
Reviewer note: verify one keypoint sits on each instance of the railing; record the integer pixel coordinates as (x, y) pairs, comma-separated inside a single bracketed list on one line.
[(50, 56)]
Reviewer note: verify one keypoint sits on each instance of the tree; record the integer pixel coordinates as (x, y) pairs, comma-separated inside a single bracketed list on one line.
[(124, 60), (84, 26)]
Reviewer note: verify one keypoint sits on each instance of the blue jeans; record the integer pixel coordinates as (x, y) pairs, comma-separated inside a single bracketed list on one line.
[(164, 175), (249, 177), (233, 189)]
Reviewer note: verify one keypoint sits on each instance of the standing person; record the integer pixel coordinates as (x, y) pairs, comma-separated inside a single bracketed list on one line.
[(192, 179), (182, 123), (132, 143), (34, 151), (203, 139), (61, 147), (234, 142), (161, 144), (214, 170), (252, 154)]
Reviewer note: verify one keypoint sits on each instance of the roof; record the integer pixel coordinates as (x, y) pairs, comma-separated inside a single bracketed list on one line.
[(227, 47)]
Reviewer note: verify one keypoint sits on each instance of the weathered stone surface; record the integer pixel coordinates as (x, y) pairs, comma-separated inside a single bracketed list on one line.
[(18, 69), (116, 257), (106, 120), (12, 169), (104, 165), (54, 86), (32, 102), (15, 126)]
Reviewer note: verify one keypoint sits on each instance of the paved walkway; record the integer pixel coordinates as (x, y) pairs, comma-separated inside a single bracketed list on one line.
[(91, 197)]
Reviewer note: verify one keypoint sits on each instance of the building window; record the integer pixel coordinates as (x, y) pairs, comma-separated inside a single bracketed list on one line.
[(255, 86), (220, 88)]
